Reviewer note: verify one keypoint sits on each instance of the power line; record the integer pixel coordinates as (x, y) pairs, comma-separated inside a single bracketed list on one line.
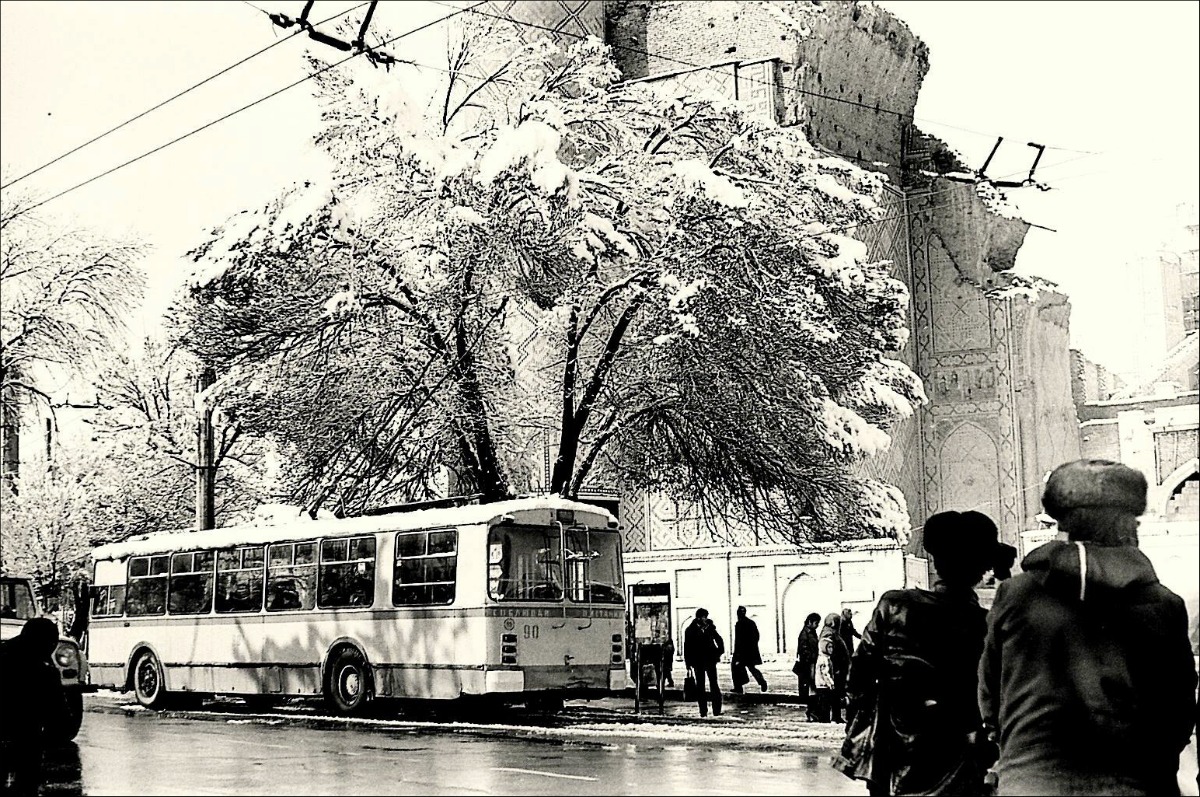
[(169, 100), (275, 93), (690, 65)]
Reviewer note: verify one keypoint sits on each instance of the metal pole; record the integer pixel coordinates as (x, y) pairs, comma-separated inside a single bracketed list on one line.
[(206, 510)]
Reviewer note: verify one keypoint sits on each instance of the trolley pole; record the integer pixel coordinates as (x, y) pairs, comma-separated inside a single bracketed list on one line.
[(206, 472)]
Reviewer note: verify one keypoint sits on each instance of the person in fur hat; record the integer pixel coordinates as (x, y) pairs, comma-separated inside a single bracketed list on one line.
[(1087, 679)]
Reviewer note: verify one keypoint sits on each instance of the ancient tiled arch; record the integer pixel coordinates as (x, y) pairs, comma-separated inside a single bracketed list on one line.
[(969, 470)]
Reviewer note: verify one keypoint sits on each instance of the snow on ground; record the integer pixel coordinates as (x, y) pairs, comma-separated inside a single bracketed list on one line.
[(758, 726)]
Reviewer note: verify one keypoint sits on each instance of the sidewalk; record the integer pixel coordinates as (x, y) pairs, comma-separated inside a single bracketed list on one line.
[(781, 684)]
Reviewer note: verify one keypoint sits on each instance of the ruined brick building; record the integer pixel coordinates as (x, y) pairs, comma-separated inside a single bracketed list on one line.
[(992, 350)]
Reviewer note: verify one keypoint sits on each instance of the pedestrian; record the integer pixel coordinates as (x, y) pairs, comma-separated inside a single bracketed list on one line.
[(1087, 676), (746, 655), (33, 704), (829, 676), (914, 717), (702, 649), (806, 662), (848, 631)]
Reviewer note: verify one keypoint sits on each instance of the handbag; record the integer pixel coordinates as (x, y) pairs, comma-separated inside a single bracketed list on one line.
[(689, 685), (856, 759), (798, 668)]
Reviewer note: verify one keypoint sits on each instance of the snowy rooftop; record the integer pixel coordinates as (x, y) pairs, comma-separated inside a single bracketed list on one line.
[(304, 528)]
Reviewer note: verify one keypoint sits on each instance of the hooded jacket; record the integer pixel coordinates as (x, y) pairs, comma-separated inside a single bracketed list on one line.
[(1087, 667)]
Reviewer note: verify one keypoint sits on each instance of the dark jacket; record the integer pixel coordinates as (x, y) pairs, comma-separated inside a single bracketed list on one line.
[(806, 655), (745, 643), (702, 645), (32, 700), (849, 633), (1091, 678), (916, 667)]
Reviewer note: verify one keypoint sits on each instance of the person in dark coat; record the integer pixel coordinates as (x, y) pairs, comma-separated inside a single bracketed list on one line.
[(848, 631), (806, 662), (746, 655), (829, 675), (702, 649), (1087, 675), (915, 722), (32, 703)]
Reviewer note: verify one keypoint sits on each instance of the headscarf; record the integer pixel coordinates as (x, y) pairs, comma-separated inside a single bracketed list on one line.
[(829, 632)]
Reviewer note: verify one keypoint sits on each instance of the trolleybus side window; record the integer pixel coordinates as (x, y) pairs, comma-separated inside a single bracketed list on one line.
[(425, 567), (524, 563), (147, 593), (346, 576), (240, 579), (108, 601), (191, 586), (292, 576)]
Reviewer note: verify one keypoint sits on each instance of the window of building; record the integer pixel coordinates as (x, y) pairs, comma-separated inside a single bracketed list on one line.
[(147, 591), (346, 576), (425, 568), (240, 579), (191, 587), (292, 576)]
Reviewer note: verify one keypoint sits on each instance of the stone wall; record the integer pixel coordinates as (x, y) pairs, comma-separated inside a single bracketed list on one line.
[(1048, 429), (857, 82), (849, 72)]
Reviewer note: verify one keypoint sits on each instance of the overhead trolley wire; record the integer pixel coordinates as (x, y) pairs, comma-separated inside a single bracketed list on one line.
[(218, 120), (171, 99)]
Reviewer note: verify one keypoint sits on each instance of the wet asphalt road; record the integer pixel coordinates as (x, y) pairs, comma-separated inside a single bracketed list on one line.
[(225, 749), (145, 753)]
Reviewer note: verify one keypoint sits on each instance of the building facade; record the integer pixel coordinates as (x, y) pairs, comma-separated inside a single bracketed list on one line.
[(992, 349)]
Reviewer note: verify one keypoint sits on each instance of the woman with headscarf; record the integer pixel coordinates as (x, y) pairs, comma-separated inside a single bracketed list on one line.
[(806, 662), (830, 672), (915, 725)]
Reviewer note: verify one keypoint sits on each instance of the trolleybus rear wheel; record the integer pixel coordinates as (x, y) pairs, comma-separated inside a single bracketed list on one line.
[(347, 682), (148, 685)]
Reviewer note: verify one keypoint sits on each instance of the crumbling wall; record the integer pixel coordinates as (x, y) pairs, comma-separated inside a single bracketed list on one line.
[(857, 82), (849, 72)]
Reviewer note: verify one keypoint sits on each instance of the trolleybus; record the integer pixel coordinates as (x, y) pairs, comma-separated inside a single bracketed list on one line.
[(521, 600)]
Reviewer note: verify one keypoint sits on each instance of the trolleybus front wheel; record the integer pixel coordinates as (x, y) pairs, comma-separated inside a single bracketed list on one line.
[(347, 682)]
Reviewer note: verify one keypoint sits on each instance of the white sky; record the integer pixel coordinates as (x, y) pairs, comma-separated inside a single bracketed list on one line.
[(1119, 79)]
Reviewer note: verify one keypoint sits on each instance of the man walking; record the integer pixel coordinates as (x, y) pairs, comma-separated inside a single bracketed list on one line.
[(1087, 674), (746, 655), (702, 649), (848, 631)]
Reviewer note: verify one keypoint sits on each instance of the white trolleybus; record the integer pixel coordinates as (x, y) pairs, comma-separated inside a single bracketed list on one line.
[(519, 600)]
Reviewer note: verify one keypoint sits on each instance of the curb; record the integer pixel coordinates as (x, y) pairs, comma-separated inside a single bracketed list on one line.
[(748, 698)]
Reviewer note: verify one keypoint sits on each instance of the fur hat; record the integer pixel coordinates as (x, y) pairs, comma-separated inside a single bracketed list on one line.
[(972, 534), (1096, 483)]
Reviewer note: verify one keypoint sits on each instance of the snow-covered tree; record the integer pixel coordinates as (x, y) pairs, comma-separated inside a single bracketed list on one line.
[(64, 295), (146, 433), (662, 284)]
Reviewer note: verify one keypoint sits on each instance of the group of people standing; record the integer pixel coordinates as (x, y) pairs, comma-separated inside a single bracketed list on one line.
[(822, 664), (1080, 680)]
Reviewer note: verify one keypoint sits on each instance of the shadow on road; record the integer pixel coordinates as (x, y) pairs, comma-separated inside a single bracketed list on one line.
[(62, 772)]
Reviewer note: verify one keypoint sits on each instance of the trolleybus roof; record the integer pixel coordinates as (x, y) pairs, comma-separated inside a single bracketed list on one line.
[(230, 536)]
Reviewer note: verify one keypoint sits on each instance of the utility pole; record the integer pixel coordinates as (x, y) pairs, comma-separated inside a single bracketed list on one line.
[(206, 470)]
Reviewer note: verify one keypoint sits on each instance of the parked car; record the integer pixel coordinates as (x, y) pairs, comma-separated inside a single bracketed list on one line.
[(18, 603)]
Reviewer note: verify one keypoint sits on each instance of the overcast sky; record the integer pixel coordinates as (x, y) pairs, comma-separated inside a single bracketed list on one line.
[(1112, 88)]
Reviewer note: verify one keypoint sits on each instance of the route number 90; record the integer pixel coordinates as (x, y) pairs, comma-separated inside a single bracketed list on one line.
[(531, 632)]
